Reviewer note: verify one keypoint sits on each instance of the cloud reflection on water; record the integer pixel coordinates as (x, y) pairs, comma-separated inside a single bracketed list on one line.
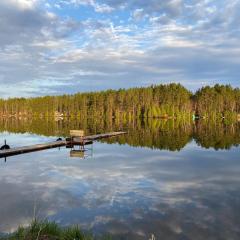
[(191, 194)]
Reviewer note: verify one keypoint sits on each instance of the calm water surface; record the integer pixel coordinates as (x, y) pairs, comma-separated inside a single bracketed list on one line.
[(128, 190)]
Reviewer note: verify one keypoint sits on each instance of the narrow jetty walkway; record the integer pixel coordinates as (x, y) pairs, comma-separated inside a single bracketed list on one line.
[(101, 136), (55, 144)]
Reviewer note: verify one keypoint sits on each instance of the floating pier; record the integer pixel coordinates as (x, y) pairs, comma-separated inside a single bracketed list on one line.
[(60, 143)]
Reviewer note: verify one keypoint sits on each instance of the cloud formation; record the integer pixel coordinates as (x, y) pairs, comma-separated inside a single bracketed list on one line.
[(63, 46)]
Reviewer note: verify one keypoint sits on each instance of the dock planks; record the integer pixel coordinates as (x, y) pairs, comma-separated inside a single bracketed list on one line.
[(55, 144), (100, 136), (33, 148)]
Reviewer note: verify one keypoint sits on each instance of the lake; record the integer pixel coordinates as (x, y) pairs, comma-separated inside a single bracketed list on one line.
[(175, 180)]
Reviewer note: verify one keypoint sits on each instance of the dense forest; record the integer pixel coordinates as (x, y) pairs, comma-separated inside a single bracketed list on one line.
[(158, 101)]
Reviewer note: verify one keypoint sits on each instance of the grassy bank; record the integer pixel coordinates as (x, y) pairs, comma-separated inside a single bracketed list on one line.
[(45, 230)]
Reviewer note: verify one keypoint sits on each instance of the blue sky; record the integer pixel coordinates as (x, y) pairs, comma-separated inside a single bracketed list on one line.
[(55, 47)]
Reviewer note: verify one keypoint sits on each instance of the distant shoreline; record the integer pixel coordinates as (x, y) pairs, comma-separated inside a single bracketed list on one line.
[(172, 101)]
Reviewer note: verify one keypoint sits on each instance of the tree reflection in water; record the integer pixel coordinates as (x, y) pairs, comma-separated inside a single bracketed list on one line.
[(172, 135)]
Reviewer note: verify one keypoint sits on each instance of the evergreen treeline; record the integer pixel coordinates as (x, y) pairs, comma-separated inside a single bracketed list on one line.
[(218, 101), (166, 101)]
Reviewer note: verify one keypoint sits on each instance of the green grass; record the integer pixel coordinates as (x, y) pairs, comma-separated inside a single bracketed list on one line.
[(44, 230)]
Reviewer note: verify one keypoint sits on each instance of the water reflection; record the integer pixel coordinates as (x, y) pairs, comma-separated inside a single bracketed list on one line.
[(128, 191), (152, 133)]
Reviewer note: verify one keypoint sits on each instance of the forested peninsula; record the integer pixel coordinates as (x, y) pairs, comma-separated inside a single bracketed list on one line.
[(157, 101)]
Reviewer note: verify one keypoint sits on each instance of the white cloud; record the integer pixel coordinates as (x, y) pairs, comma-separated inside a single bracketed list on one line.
[(138, 14), (192, 42), (21, 4), (101, 8)]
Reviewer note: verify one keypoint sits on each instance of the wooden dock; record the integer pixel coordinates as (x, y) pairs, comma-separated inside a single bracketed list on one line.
[(55, 144), (100, 136)]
